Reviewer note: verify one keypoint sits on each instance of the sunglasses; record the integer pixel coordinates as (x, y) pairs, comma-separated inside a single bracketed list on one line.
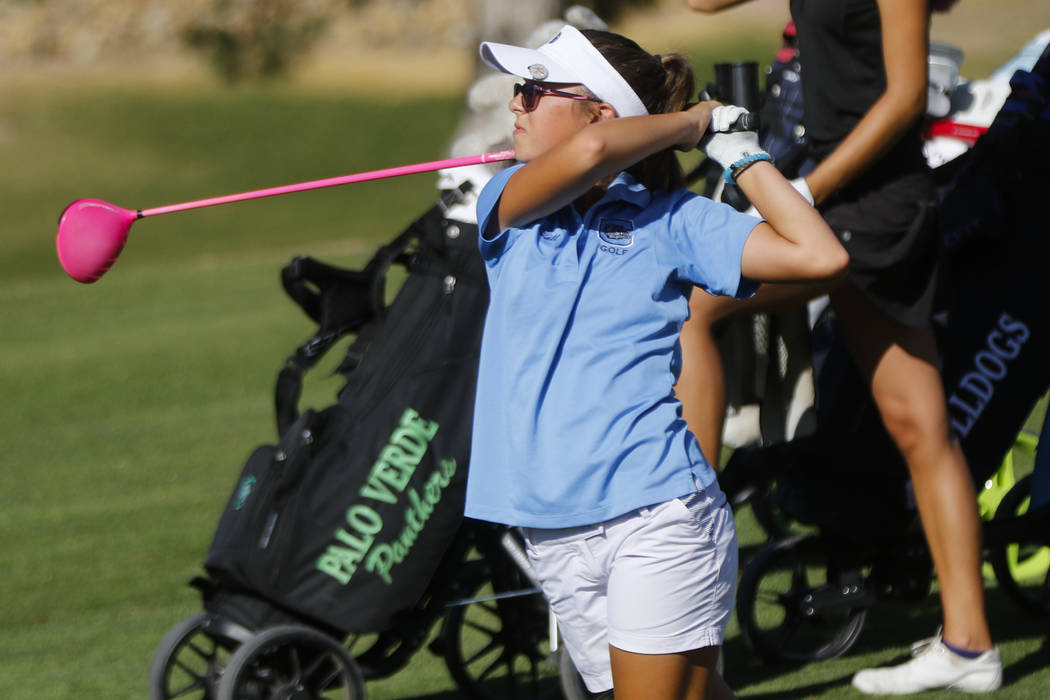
[(531, 91)]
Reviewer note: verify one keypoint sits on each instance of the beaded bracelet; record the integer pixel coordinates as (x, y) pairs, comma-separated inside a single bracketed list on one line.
[(733, 171)]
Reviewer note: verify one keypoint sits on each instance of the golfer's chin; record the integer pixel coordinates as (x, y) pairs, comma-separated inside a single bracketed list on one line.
[(523, 150)]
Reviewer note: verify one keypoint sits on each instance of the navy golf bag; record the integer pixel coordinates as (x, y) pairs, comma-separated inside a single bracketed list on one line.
[(993, 338)]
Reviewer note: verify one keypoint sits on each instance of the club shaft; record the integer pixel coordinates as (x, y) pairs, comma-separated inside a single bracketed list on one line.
[(333, 181)]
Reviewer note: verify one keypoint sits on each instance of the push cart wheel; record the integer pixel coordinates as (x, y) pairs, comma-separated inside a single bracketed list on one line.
[(774, 522), (291, 662), (496, 644), (795, 605), (189, 661), (1023, 568)]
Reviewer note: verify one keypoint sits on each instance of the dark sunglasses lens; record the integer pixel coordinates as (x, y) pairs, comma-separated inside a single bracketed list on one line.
[(528, 94)]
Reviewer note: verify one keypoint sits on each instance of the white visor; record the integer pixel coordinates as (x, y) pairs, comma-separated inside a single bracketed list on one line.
[(567, 58)]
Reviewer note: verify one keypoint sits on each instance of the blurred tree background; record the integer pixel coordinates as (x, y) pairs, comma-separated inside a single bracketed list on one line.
[(243, 41), (258, 39)]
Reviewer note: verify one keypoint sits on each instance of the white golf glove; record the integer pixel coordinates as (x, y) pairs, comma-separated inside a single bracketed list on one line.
[(731, 149)]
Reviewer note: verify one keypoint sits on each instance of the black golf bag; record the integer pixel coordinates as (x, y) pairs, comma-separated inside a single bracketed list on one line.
[(344, 520)]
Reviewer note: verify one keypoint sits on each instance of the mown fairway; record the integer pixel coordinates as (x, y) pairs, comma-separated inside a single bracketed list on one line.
[(131, 404)]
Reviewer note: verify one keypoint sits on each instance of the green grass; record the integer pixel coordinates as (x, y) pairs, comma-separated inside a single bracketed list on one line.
[(131, 404)]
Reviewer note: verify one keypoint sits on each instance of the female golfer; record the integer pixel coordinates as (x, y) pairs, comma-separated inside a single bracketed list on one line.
[(592, 249)]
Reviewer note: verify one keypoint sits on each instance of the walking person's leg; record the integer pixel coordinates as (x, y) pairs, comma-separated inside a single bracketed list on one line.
[(900, 364)]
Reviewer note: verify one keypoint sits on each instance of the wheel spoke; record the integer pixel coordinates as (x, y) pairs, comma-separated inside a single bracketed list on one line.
[(312, 668), (188, 669), (491, 668), (492, 633), (352, 642), (799, 578), (332, 660), (485, 650), (197, 684), (329, 680), (297, 665), (206, 655)]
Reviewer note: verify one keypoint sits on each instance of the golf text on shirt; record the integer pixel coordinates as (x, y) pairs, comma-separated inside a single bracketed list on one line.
[(355, 542)]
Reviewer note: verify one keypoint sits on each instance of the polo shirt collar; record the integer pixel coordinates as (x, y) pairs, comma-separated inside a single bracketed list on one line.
[(626, 189)]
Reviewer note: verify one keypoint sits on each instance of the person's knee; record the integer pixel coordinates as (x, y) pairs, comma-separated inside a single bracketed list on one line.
[(913, 429)]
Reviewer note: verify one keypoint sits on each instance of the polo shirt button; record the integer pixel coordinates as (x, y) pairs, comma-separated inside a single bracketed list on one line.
[(846, 236)]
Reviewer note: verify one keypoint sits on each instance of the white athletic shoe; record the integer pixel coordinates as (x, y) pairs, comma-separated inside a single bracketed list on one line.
[(933, 666)]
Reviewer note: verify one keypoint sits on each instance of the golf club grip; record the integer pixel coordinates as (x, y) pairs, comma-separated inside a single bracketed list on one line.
[(745, 122)]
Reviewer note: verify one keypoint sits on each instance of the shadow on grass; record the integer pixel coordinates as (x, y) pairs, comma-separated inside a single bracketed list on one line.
[(890, 625), (1033, 663), (803, 691), (893, 625)]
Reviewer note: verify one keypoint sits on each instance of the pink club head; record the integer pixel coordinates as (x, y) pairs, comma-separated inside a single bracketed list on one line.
[(91, 234)]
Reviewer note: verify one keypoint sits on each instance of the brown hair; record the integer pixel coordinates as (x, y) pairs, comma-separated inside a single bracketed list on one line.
[(663, 84)]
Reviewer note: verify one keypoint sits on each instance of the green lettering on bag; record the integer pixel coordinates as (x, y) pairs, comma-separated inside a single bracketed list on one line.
[(386, 482), (384, 556)]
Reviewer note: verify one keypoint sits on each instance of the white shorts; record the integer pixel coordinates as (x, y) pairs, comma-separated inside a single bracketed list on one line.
[(657, 580)]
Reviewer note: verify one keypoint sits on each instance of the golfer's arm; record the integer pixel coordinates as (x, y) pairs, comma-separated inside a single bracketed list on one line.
[(794, 244), (601, 150)]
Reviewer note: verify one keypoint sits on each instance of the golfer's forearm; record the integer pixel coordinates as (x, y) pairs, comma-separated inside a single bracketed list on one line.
[(600, 151), (778, 202), (608, 147)]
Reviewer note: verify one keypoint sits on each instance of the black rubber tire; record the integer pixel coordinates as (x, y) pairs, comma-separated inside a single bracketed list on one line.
[(291, 662), (1019, 567), (774, 618), (188, 662)]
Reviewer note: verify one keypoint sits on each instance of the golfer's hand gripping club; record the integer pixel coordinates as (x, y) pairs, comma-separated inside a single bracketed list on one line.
[(747, 121), (728, 144)]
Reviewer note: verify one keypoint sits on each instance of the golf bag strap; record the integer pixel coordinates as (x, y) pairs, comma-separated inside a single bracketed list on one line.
[(341, 302), (345, 301)]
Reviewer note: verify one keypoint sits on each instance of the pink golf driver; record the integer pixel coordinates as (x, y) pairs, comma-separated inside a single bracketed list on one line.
[(92, 232)]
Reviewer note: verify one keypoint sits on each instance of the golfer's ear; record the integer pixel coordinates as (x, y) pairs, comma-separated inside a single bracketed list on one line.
[(605, 111)]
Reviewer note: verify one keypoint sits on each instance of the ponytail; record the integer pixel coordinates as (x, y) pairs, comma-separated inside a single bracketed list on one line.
[(664, 84)]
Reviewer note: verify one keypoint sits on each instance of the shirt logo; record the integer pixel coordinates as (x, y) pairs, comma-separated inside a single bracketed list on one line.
[(617, 232)]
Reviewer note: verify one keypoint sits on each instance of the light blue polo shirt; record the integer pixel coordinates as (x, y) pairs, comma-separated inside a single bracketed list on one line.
[(575, 418)]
